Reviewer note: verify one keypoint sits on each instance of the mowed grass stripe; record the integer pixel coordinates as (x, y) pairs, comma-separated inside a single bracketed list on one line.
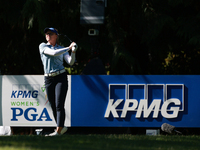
[(99, 142)]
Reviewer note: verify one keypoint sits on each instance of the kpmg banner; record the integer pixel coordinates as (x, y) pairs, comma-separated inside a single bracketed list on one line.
[(104, 101), (135, 101), (25, 103)]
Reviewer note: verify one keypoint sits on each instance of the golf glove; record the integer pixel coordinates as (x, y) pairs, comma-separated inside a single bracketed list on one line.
[(74, 48)]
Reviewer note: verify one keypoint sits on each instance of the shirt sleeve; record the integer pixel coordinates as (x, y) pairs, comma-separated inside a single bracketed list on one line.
[(48, 51), (42, 47), (69, 59)]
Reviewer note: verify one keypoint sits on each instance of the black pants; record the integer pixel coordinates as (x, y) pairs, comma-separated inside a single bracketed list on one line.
[(56, 89)]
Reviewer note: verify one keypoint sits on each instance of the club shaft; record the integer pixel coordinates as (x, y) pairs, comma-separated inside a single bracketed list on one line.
[(66, 37)]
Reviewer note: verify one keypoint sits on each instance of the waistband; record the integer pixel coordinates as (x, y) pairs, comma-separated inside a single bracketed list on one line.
[(53, 74)]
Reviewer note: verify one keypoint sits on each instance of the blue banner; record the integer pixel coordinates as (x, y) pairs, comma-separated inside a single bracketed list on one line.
[(135, 100)]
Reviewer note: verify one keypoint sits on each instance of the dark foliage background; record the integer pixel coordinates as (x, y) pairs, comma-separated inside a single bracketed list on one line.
[(138, 37)]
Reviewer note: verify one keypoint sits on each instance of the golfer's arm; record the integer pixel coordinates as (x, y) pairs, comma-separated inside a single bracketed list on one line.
[(57, 52), (69, 59)]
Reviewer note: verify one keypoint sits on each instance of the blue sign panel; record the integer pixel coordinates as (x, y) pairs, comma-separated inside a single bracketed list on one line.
[(135, 100)]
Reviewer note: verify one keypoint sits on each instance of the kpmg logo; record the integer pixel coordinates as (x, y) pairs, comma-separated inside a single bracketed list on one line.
[(146, 100), (25, 91), (25, 103)]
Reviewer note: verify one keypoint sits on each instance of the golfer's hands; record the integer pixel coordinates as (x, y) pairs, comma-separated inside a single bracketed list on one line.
[(74, 48), (71, 45)]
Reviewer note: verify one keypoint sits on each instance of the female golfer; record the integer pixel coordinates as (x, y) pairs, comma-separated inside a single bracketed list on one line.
[(55, 76)]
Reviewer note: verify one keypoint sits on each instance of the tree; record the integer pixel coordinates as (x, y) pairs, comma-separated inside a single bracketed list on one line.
[(154, 37), (138, 37), (22, 24)]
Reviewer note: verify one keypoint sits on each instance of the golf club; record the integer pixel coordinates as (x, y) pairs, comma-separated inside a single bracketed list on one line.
[(66, 37)]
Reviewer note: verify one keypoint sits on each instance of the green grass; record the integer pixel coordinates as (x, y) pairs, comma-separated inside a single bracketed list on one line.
[(100, 142)]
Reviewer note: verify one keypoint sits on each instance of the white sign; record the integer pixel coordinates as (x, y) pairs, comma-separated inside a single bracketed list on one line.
[(25, 103)]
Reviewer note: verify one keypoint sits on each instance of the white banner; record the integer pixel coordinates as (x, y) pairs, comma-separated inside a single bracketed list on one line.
[(25, 103)]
